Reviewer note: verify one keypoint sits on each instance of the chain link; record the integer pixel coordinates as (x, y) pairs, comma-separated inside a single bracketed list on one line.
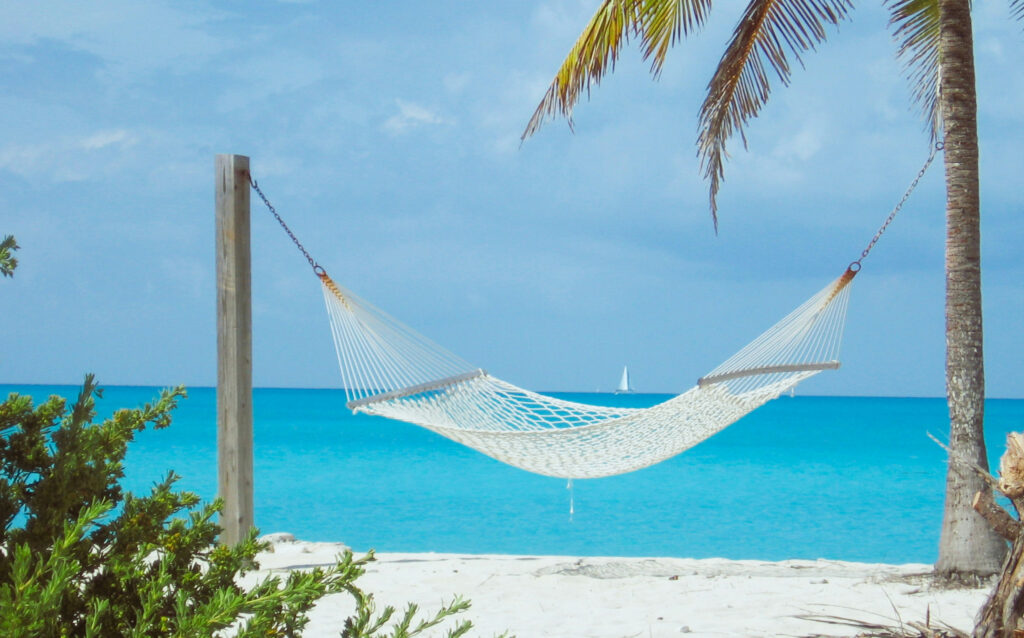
[(316, 267), (888, 220)]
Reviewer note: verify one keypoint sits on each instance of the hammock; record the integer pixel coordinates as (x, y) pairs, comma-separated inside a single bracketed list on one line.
[(391, 371)]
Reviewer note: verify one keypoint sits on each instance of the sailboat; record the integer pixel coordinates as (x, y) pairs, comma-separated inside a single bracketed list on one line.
[(624, 386)]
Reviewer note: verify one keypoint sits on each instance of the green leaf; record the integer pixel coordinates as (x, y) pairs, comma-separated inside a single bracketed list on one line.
[(768, 33), (657, 23), (915, 26), (7, 261)]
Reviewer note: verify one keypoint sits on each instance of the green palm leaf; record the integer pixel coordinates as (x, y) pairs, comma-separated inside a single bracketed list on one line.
[(768, 32), (662, 23), (657, 23), (916, 28)]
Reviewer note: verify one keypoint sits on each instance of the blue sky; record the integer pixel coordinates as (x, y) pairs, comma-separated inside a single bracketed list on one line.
[(387, 134)]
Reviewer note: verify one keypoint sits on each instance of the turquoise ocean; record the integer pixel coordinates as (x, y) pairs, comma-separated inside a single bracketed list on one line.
[(848, 478)]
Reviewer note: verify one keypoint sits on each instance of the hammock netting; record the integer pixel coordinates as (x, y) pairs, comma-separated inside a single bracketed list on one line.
[(391, 371)]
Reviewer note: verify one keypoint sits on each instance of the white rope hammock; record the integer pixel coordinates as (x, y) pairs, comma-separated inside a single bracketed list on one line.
[(390, 370)]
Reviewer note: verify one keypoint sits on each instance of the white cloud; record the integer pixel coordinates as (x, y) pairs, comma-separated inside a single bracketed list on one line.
[(802, 146), (128, 36), (456, 82), (410, 116), (69, 159), (102, 139), (21, 159)]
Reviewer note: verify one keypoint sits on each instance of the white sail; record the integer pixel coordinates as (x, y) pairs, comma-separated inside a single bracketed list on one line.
[(624, 387)]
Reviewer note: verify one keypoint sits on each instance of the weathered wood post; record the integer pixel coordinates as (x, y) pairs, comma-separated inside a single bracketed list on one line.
[(234, 348)]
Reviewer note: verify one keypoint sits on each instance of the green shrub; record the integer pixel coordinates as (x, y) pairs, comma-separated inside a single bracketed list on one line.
[(81, 557), (7, 261)]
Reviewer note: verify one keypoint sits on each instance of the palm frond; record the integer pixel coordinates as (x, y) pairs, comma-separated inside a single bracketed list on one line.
[(916, 27), (662, 24), (658, 24), (768, 32), (592, 56), (1017, 9)]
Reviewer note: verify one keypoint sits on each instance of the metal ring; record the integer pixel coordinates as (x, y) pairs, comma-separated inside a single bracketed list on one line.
[(319, 270), (854, 266), (940, 145)]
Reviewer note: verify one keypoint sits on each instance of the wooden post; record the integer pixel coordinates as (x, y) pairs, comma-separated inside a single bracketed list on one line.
[(234, 348)]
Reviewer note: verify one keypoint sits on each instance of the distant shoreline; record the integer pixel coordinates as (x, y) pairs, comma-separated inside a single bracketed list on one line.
[(602, 393)]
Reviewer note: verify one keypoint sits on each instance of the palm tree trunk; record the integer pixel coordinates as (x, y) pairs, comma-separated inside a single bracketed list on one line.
[(968, 545)]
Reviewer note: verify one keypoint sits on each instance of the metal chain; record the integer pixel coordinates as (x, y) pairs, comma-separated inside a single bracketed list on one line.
[(316, 267), (855, 266)]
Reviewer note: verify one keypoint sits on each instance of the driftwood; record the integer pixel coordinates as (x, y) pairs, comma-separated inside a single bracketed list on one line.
[(1002, 616), (1011, 467), (1005, 525)]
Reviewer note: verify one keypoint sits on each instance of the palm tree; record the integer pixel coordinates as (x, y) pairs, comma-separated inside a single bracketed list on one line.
[(938, 51)]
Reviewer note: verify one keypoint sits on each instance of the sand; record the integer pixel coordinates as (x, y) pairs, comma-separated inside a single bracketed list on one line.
[(569, 597)]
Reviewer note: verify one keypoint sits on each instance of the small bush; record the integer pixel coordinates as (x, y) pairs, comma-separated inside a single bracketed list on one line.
[(81, 557)]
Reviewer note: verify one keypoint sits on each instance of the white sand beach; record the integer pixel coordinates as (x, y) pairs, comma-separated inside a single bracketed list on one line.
[(569, 597)]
